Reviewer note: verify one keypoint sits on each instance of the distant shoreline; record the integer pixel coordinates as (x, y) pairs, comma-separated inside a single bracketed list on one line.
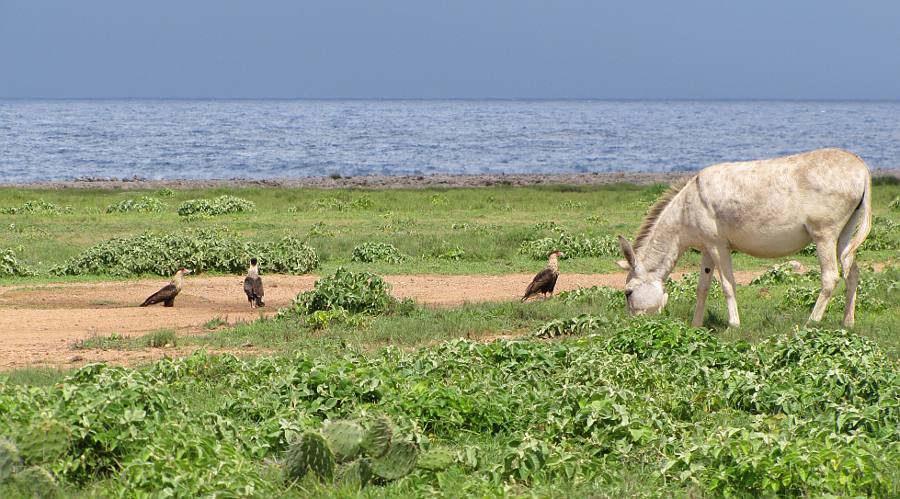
[(380, 181)]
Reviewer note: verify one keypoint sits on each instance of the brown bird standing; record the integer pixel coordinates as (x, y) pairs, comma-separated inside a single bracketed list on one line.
[(253, 285), (167, 294), (545, 280)]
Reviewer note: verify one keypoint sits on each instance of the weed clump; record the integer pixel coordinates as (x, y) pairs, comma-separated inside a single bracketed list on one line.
[(221, 205), (342, 205), (204, 250), (163, 338), (37, 207), (145, 204), (11, 266), (369, 252), (581, 324), (577, 246), (352, 292)]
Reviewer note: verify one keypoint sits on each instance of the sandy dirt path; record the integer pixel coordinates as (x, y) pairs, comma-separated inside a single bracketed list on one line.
[(40, 324)]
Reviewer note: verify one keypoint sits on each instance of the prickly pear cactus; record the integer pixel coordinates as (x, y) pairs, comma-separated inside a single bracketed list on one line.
[(344, 438), (44, 441), (310, 454), (378, 437), (397, 462), (436, 460), (9, 459), (357, 474)]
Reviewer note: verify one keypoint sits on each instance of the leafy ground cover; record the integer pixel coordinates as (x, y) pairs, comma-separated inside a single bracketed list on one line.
[(806, 412), (564, 397)]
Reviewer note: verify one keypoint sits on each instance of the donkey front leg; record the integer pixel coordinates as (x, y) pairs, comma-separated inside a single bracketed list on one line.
[(721, 257), (706, 266)]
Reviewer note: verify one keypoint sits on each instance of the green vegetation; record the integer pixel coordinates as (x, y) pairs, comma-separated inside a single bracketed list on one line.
[(206, 250), (443, 231), (377, 252), (219, 206), (351, 292), (12, 266), (143, 204), (809, 412), (361, 395), (37, 207)]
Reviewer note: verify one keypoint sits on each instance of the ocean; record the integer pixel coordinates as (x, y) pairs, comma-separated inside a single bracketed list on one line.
[(210, 139)]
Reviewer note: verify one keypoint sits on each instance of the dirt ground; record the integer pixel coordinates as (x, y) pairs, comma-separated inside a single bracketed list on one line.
[(40, 324)]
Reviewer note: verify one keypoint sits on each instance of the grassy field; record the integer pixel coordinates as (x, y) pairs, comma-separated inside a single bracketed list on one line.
[(562, 397), (453, 231)]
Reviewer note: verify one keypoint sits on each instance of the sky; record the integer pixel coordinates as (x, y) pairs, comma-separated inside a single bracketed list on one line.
[(516, 49)]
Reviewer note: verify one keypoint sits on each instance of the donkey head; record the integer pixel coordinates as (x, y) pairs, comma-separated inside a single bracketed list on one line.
[(644, 293)]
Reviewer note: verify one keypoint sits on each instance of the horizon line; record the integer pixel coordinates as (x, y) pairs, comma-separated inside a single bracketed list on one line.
[(473, 99)]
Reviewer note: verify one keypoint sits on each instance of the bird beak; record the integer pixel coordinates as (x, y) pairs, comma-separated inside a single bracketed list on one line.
[(187, 271)]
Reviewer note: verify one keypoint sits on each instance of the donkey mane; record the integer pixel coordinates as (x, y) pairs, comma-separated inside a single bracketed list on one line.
[(656, 210)]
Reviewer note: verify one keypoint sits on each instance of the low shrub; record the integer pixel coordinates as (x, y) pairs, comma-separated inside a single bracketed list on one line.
[(784, 273), (11, 266), (369, 252), (37, 207), (143, 204), (203, 250), (578, 246), (353, 292), (895, 204), (885, 235), (217, 206), (340, 205), (593, 294), (581, 324)]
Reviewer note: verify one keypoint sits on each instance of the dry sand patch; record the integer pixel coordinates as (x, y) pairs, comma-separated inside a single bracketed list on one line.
[(39, 324)]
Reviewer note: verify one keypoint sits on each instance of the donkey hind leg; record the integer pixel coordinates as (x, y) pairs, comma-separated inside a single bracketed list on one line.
[(706, 266), (826, 249), (721, 258), (849, 270)]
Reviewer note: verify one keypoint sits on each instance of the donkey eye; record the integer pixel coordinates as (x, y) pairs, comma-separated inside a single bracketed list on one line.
[(628, 293)]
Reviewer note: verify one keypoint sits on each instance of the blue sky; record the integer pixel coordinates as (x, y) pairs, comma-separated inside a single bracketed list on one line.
[(705, 49)]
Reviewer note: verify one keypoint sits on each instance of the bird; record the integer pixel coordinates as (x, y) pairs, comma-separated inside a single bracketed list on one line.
[(167, 294), (545, 280), (253, 285)]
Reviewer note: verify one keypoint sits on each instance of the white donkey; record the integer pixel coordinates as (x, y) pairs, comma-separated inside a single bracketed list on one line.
[(766, 208)]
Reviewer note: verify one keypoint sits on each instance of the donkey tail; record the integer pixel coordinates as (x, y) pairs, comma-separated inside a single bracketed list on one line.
[(865, 225)]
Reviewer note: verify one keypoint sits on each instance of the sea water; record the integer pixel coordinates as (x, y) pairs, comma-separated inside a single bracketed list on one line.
[(203, 139)]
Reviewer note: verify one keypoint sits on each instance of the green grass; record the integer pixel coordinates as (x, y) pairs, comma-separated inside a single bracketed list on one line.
[(637, 407), (490, 224)]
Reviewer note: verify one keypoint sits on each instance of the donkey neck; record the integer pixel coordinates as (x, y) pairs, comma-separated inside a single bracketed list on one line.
[(664, 245)]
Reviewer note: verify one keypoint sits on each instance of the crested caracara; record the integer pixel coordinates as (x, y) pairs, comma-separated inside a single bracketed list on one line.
[(545, 280), (253, 285), (167, 294)]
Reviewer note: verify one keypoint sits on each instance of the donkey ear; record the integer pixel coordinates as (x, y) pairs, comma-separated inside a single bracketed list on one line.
[(624, 265), (628, 252)]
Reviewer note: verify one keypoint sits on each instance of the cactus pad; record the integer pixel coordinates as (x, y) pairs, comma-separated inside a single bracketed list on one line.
[(357, 474), (310, 454), (344, 438), (378, 437), (397, 462), (9, 459), (436, 460)]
